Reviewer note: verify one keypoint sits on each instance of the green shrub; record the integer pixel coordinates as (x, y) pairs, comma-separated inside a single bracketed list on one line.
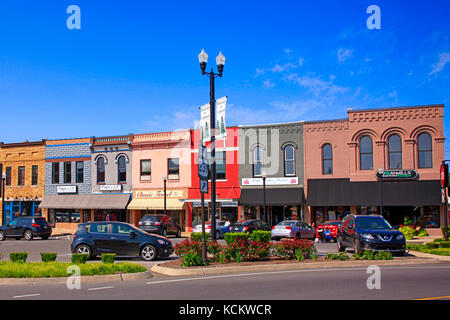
[(373, 255), (231, 237), (48, 256), (197, 236), (337, 256), (18, 257), (108, 257), (383, 255), (443, 227), (408, 232), (445, 244), (79, 258), (287, 248), (192, 259), (261, 235), (422, 233), (432, 245)]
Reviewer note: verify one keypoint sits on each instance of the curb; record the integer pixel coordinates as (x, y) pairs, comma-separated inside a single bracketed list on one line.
[(203, 271), (429, 255), (84, 279)]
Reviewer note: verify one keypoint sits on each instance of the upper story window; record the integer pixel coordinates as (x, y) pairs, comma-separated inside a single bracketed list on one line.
[(366, 153), (122, 169), (55, 172), (79, 172), (67, 172), (289, 160), (257, 162), (34, 175), (395, 152), (221, 172), (146, 170), (173, 169), (8, 176), (425, 150), (21, 176), (327, 159), (101, 170)]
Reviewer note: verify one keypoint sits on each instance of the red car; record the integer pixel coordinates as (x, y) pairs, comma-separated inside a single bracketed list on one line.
[(333, 225)]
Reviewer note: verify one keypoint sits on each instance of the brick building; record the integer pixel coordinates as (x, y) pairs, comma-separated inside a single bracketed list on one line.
[(24, 167)]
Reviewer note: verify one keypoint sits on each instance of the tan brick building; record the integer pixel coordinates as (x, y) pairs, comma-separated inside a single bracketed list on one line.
[(23, 166)]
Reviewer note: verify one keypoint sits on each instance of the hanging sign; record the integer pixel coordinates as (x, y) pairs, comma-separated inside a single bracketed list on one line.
[(205, 123), (397, 174), (220, 120)]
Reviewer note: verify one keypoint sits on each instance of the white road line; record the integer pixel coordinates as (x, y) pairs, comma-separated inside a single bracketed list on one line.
[(27, 295), (101, 288), (288, 271)]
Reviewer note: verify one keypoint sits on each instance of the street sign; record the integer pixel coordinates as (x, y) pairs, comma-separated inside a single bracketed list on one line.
[(397, 174), (203, 167), (203, 186)]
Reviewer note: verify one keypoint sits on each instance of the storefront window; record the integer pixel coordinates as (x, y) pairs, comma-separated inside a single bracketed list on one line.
[(366, 153), (395, 152), (425, 150), (67, 216), (122, 169), (109, 215)]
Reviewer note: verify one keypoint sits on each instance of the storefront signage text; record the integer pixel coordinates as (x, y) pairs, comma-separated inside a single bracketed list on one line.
[(66, 189), (159, 194), (111, 187), (269, 181), (397, 174)]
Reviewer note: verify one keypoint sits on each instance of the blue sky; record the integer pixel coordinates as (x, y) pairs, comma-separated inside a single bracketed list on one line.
[(133, 66)]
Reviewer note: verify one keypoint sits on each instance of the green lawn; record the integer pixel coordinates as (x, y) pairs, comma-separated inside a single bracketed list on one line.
[(9, 269), (422, 248)]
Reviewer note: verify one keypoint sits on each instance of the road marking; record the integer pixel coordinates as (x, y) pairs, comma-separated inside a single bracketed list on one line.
[(287, 271), (434, 298), (101, 288), (27, 295)]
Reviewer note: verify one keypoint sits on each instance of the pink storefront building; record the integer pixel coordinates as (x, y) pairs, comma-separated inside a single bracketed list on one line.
[(161, 159), (406, 146)]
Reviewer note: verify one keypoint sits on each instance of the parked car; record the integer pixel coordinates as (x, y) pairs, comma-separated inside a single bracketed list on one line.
[(123, 239), (221, 229), (332, 225), (26, 227), (292, 229), (370, 232), (160, 224), (248, 226)]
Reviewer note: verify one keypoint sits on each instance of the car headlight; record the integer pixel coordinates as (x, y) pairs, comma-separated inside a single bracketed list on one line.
[(400, 237), (367, 236), (162, 242)]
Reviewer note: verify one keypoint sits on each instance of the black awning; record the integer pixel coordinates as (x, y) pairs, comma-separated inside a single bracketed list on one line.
[(274, 197), (342, 192)]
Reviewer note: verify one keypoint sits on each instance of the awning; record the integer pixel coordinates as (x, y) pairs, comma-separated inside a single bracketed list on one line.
[(342, 192), (274, 197), (155, 204), (85, 201)]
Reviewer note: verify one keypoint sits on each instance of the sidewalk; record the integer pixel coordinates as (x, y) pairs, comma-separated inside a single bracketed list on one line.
[(420, 240)]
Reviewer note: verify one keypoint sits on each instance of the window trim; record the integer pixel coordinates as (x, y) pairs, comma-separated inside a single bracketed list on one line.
[(65, 173), (55, 173), (118, 169), (327, 159), (419, 151), (140, 171), (104, 170), (255, 162), (168, 170), (293, 160), (361, 153), (76, 172)]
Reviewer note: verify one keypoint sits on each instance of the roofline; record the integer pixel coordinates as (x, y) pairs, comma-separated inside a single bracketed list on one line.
[(22, 144), (397, 108), (271, 124)]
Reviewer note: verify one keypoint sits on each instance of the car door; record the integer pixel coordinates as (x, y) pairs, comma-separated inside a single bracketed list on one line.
[(101, 237), (121, 241), (19, 228), (306, 231), (11, 228)]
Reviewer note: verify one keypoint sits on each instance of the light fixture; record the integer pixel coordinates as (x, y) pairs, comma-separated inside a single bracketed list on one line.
[(220, 60), (203, 59)]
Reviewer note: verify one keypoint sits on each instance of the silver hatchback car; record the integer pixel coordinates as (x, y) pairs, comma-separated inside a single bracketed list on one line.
[(293, 229)]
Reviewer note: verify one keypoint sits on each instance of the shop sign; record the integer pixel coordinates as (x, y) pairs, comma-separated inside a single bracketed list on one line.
[(269, 181), (111, 187), (66, 189), (159, 194), (397, 174)]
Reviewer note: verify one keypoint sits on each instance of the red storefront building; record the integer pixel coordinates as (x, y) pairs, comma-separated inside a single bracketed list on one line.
[(227, 179)]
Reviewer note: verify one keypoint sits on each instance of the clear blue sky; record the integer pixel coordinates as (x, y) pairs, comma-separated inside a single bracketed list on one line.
[(133, 66)]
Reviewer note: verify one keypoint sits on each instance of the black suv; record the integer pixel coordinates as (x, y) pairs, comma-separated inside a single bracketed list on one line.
[(26, 227), (95, 238), (370, 232), (249, 226), (161, 224)]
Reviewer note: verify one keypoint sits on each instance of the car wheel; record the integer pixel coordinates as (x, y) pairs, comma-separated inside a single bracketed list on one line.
[(357, 246), (149, 253), (2, 236), (84, 248), (28, 235), (341, 248)]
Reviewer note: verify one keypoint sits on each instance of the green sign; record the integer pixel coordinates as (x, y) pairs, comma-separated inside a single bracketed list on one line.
[(397, 174)]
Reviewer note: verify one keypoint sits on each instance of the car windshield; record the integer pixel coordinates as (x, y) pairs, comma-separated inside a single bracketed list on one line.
[(151, 218), (376, 223), (286, 223)]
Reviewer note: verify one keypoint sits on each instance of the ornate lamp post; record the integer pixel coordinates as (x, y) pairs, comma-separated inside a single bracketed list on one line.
[(165, 195), (220, 61)]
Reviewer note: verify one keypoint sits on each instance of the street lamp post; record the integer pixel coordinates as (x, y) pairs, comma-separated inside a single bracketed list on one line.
[(165, 195), (220, 61), (264, 176), (3, 197)]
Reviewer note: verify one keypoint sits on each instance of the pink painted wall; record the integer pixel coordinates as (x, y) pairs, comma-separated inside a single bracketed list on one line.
[(159, 147)]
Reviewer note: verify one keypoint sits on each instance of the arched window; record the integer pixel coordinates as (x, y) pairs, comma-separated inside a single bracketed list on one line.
[(101, 170), (425, 151), (366, 153), (327, 159), (257, 162), (122, 169), (289, 160), (395, 152)]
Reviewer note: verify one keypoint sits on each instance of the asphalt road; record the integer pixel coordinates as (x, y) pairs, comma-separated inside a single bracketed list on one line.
[(396, 282), (61, 245)]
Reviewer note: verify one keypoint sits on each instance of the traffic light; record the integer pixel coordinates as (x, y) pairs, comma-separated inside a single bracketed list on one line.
[(444, 175)]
